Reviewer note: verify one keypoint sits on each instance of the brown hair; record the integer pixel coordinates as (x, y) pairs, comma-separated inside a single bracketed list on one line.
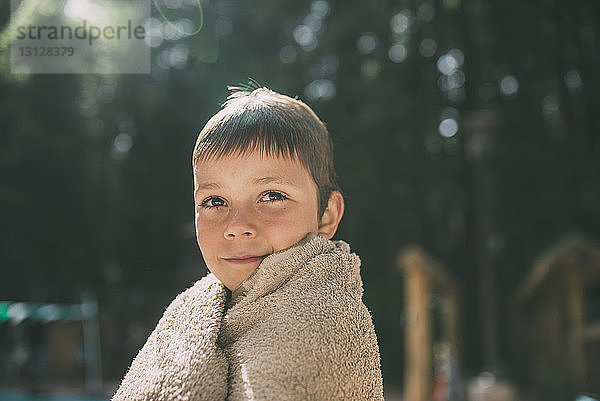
[(275, 125)]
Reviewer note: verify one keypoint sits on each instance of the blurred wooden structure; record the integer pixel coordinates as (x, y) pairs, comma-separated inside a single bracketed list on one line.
[(561, 298), (424, 277), (64, 343)]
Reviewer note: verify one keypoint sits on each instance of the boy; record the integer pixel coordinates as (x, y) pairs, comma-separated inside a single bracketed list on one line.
[(280, 317)]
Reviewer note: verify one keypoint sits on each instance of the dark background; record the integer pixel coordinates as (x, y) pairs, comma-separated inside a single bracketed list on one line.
[(83, 209)]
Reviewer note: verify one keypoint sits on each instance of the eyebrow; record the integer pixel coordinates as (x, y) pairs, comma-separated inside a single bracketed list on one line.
[(256, 181), (208, 185)]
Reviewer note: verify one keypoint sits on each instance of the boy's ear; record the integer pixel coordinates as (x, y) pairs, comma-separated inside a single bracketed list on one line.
[(332, 215)]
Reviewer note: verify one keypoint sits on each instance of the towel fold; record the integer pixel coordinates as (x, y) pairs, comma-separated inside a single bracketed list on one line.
[(296, 329)]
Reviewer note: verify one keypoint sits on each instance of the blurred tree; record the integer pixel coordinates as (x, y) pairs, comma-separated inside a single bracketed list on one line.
[(95, 178)]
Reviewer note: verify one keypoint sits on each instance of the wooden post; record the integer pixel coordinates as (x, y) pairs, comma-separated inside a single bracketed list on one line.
[(418, 361), (423, 275)]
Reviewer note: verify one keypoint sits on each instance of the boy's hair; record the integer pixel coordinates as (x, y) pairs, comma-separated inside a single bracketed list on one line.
[(275, 125)]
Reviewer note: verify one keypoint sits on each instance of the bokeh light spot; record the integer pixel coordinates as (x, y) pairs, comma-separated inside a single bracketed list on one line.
[(320, 8), (288, 54), (448, 127), (426, 12), (447, 64), (427, 47), (397, 53), (303, 35), (573, 80), (177, 56), (367, 43), (400, 22), (154, 35), (320, 89), (313, 22), (458, 56), (123, 142), (509, 85)]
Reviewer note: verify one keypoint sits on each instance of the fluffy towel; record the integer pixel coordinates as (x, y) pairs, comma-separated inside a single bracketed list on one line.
[(296, 329)]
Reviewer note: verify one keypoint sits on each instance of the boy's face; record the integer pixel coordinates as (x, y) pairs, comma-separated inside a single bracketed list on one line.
[(248, 207)]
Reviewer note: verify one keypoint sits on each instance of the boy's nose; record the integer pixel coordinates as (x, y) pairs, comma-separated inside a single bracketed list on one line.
[(240, 226)]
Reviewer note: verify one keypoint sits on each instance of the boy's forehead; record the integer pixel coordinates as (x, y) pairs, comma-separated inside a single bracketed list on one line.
[(255, 168)]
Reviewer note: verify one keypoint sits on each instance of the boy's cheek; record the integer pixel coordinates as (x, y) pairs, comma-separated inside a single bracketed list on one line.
[(204, 233), (204, 219)]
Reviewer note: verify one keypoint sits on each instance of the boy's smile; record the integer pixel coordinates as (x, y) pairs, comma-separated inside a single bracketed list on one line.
[(248, 207)]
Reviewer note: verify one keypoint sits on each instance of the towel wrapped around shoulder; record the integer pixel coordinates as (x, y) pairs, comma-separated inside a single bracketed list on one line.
[(296, 329)]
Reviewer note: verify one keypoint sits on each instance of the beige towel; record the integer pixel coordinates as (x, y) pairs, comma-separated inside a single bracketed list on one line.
[(296, 329)]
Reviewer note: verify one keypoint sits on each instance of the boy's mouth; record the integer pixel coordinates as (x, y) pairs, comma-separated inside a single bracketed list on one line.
[(245, 259)]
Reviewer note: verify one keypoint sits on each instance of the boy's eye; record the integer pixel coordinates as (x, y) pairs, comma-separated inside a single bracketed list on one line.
[(272, 196), (212, 201)]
